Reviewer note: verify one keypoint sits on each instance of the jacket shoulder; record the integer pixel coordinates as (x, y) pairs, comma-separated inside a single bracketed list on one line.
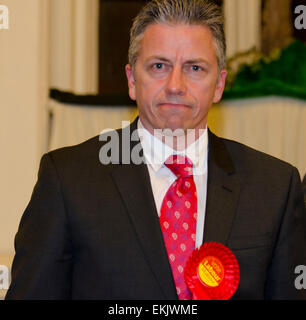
[(250, 161), (87, 150)]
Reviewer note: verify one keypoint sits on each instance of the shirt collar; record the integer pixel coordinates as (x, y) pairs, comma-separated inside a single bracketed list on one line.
[(156, 152)]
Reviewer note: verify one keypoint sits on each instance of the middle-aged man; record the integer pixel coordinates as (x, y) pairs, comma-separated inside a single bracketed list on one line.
[(124, 230)]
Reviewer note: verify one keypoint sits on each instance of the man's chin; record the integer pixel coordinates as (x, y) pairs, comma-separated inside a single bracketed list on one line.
[(174, 122)]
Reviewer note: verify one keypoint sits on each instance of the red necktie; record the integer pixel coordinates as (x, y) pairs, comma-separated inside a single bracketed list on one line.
[(178, 218)]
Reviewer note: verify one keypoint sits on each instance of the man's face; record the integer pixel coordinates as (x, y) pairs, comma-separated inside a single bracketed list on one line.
[(175, 81)]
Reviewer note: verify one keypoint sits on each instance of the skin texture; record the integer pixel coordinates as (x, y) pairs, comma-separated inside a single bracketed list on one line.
[(176, 78)]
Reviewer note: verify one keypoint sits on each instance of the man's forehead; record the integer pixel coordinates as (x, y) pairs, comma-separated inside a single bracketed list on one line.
[(176, 26), (164, 40)]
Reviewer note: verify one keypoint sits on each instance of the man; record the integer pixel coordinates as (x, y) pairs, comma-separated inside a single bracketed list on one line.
[(98, 230)]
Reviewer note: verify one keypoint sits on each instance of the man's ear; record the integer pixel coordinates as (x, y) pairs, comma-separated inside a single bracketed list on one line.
[(220, 86), (131, 81)]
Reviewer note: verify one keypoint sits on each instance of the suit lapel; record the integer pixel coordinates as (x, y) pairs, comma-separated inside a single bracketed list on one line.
[(223, 189), (133, 183)]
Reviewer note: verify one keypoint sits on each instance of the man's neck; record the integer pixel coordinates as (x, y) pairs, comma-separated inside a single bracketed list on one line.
[(177, 139), (179, 142)]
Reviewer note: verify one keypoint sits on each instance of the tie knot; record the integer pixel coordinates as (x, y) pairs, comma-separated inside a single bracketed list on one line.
[(181, 166)]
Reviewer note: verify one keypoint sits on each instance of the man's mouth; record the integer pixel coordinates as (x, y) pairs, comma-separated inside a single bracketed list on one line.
[(173, 105)]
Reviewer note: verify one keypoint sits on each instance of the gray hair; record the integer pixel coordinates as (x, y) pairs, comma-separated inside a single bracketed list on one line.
[(192, 12)]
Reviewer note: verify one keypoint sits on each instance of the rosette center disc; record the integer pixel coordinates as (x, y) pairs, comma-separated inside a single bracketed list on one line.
[(210, 271)]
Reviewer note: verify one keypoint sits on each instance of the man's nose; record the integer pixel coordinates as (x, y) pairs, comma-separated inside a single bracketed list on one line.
[(176, 82)]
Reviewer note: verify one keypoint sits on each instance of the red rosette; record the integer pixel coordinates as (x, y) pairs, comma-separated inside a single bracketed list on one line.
[(212, 272)]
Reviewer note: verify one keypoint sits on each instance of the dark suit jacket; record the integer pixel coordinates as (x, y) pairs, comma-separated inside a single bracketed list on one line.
[(91, 231), (304, 189)]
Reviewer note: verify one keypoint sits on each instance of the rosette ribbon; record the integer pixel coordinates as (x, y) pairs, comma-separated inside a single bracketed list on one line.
[(212, 272)]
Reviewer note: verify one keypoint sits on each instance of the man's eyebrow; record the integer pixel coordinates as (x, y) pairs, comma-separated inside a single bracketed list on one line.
[(190, 61), (160, 58), (197, 60)]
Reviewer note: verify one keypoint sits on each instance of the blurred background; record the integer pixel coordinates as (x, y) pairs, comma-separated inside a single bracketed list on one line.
[(62, 81)]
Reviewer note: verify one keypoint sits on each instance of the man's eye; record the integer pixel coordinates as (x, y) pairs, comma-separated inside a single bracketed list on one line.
[(196, 68), (158, 66)]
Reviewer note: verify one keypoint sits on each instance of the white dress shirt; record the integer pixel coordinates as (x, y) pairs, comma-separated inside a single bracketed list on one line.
[(156, 153)]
